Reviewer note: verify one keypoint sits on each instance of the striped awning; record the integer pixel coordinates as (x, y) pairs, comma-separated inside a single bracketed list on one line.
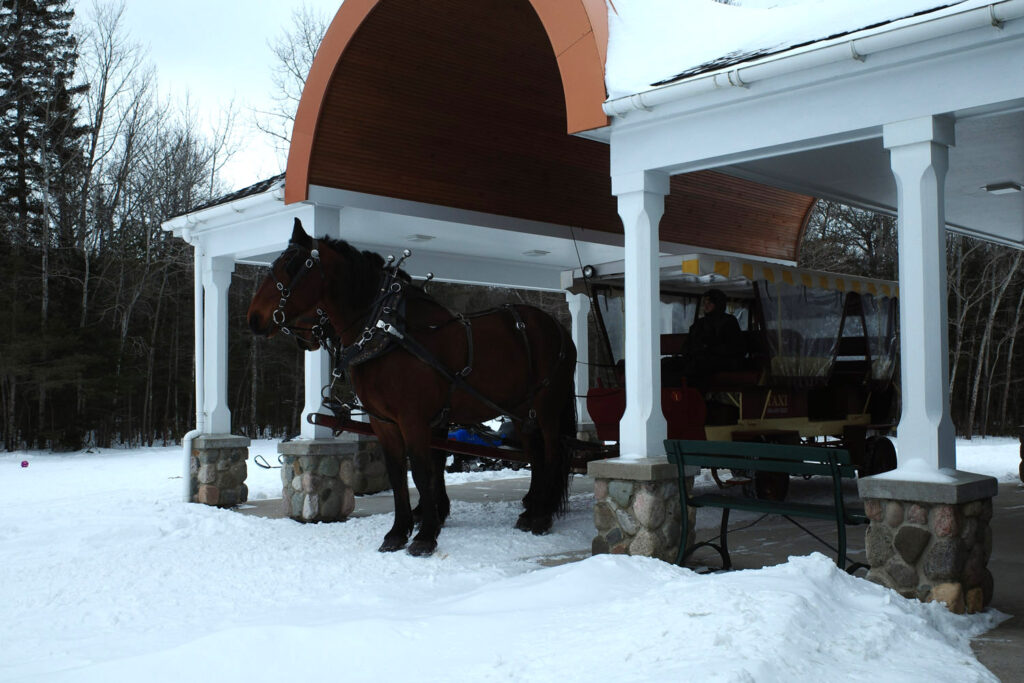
[(709, 270)]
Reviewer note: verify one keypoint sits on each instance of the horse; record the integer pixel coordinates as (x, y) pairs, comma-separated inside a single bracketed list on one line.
[(418, 368)]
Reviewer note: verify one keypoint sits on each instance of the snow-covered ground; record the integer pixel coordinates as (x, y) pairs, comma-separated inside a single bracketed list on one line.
[(105, 575)]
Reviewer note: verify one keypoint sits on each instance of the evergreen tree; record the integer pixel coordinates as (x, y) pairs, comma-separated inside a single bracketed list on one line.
[(41, 167)]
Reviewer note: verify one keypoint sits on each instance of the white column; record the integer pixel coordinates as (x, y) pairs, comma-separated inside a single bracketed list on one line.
[(641, 203), (216, 281), (919, 155), (325, 223), (579, 309)]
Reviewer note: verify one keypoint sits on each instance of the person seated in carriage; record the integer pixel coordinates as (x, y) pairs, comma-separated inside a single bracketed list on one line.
[(714, 343)]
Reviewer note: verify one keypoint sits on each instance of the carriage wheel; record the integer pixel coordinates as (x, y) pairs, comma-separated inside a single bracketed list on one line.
[(879, 456)]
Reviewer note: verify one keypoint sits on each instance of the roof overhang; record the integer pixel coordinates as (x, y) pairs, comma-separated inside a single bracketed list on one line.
[(811, 121)]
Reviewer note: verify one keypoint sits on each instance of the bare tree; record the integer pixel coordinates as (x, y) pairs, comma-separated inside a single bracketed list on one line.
[(293, 50), (1001, 279)]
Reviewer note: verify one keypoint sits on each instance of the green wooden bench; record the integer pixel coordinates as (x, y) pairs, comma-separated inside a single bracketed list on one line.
[(765, 457)]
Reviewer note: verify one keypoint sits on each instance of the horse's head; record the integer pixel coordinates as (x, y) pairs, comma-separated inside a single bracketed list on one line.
[(288, 297)]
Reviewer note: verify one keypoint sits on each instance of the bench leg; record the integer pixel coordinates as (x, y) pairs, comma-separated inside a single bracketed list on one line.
[(724, 549), (841, 560)]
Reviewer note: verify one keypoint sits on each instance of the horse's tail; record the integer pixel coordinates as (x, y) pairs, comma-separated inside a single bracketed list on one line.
[(567, 424)]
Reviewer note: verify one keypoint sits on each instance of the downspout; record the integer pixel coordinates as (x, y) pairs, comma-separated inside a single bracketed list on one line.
[(200, 368), (991, 15)]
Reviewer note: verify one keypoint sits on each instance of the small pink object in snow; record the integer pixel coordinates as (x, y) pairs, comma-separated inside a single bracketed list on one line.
[(24, 463)]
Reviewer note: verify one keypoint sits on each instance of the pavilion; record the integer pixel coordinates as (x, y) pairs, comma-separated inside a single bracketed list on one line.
[(481, 134)]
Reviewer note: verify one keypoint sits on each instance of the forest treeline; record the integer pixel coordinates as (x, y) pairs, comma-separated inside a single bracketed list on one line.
[(96, 333)]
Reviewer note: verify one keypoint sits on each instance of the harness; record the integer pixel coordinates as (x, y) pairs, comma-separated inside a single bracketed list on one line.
[(386, 330)]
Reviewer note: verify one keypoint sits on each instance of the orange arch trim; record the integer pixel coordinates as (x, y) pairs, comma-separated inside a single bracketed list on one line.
[(576, 29)]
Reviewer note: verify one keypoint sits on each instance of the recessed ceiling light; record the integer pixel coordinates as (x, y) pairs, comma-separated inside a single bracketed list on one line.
[(419, 238), (1002, 188), (533, 253)]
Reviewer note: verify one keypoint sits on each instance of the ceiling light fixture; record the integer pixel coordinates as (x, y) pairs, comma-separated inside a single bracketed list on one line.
[(1002, 188), (419, 238), (534, 253)]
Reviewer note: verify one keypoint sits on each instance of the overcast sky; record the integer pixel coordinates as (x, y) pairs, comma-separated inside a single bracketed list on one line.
[(216, 51)]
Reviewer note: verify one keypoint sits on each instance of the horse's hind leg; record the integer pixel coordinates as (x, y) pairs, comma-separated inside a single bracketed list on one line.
[(549, 485), (533, 448), (394, 459)]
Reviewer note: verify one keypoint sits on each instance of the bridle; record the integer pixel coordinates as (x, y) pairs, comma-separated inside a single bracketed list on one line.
[(310, 258)]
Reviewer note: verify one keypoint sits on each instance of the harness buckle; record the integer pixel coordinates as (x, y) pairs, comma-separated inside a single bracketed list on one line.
[(279, 312), (465, 371), (285, 330), (390, 329)]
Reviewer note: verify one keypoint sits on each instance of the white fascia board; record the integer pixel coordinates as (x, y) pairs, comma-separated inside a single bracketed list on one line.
[(327, 196), (476, 271), (228, 213), (253, 235), (836, 103)]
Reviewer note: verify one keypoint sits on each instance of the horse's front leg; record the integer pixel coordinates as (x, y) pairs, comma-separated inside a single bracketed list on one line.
[(391, 443), (424, 463)]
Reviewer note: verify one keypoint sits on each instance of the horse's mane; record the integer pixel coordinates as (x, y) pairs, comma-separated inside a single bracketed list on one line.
[(362, 275)]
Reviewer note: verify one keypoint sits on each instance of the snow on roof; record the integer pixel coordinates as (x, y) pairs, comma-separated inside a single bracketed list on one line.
[(254, 189), (654, 42)]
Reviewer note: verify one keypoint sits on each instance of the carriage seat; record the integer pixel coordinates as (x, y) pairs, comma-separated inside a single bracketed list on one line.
[(751, 372)]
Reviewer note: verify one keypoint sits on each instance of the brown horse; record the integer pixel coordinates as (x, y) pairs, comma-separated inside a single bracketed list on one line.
[(418, 368)]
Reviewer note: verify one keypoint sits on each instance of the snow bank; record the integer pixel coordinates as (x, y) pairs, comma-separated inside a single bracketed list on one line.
[(108, 577)]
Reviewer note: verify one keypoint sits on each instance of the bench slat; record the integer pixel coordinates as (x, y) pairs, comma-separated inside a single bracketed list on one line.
[(755, 448), (762, 464)]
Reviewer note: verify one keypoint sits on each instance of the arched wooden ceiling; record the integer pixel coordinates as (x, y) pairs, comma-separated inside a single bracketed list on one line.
[(470, 104)]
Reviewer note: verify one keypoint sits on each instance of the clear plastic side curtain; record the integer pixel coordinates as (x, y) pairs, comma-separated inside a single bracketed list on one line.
[(802, 327), (880, 316)]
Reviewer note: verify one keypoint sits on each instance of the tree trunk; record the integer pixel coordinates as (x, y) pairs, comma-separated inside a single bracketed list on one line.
[(1014, 327), (986, 338)]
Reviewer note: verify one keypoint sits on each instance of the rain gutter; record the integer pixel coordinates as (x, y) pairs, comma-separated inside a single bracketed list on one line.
[(991, 15)]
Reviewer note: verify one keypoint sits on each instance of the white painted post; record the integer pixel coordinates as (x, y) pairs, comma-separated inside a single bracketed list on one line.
[(641, 204), (216, 281), (579, 309), (919, 156), (317, 373)]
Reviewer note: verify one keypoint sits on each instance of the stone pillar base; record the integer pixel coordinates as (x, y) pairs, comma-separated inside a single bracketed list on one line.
[(218, 470), (931, 540), (321, 477), (637, 510)]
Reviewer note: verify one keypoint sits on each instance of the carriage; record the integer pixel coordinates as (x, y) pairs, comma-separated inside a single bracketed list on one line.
[(819, 363)]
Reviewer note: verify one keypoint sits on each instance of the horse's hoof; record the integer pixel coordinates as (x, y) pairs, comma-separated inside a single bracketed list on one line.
[(540, 525), (390, 545), (422, 548), (524, 523)]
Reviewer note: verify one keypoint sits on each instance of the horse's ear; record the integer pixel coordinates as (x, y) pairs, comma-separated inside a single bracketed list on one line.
[(300, 237)]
